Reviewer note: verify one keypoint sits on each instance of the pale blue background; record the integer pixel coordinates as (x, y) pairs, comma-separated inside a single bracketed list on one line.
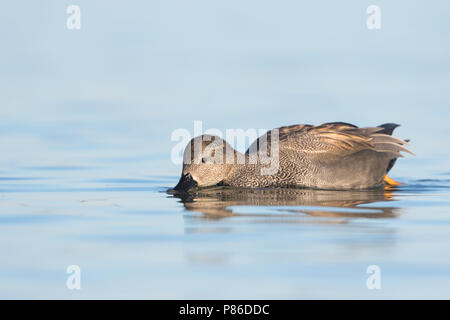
[(137, 71), (79, 107)]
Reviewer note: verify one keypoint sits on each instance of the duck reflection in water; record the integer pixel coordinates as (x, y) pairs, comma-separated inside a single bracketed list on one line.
[(289, 204)]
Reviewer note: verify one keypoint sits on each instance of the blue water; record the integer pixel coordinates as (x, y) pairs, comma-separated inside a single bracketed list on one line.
[(86, 118)]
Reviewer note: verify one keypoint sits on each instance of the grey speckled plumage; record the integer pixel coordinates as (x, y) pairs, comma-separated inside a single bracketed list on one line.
[(333, 155)]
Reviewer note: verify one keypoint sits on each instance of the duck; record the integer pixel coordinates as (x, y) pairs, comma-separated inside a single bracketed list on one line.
[(329, 156)]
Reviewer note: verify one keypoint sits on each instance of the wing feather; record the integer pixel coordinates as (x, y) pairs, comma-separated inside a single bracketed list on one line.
[(335, 139)]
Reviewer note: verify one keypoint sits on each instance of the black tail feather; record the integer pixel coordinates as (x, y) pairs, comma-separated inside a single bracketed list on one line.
[(388, 128)]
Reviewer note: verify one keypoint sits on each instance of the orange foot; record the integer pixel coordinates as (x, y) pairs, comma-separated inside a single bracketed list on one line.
[(391, 181)]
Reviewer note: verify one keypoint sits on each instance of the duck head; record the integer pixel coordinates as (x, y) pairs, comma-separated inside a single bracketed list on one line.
[(207, 161)]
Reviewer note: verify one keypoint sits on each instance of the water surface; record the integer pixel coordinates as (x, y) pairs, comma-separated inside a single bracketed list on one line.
[(132, 239)]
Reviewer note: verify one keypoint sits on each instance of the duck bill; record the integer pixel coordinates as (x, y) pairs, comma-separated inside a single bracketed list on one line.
[(186, 183)]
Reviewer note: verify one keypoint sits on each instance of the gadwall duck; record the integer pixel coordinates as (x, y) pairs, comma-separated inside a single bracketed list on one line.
[(333, 155)]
